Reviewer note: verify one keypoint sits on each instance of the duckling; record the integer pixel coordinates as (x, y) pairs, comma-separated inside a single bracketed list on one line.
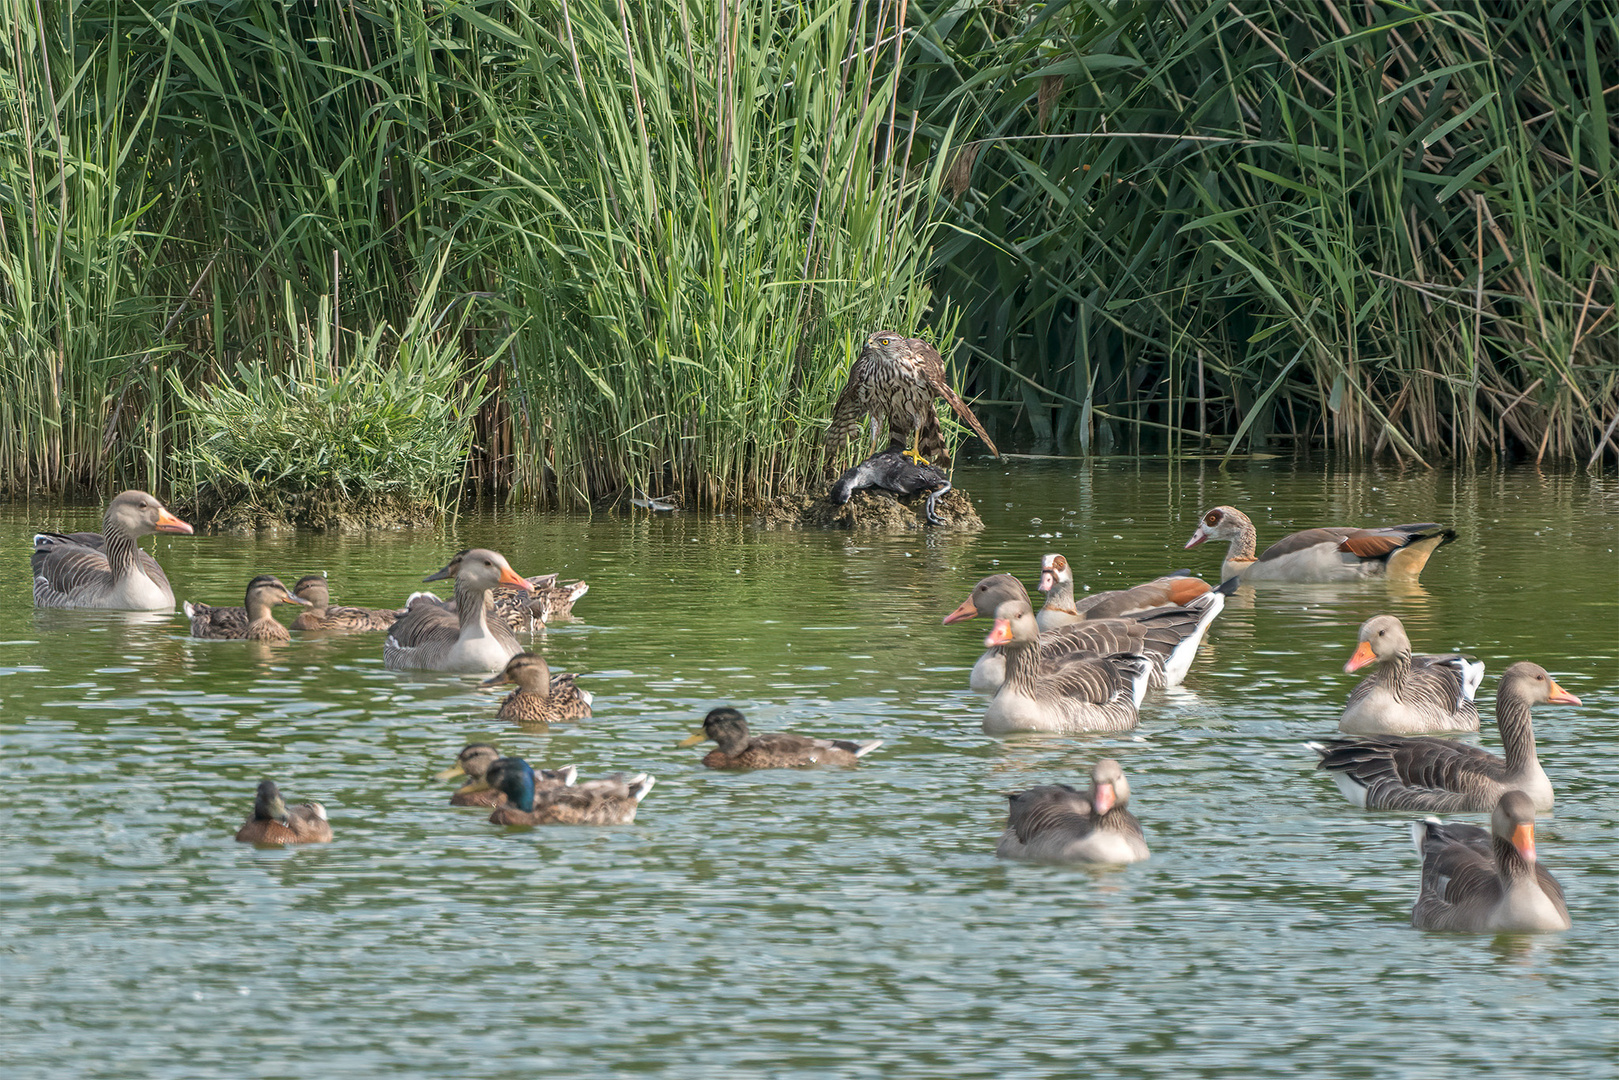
[(274, 822), (252, 621), (540, 697), (474, 763), (336, 620), (612, 800), (773, 750)]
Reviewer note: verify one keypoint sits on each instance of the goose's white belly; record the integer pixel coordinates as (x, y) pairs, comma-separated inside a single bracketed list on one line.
[(1011, 711), (477, 650), (1320, 562), (1527, 908)]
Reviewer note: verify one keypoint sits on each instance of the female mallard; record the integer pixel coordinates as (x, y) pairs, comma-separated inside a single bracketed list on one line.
[(773, 750), (1055, 823), (336, 620), (274, 822), (250, 622), (612, 800), (1409, 693), (107, 569), (475, 761), (540, 697)]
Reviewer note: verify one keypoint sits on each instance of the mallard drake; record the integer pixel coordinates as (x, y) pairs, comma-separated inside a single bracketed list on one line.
[(738, 749), (437, 637), (107, 569), (540, 697), (274, 822), (1321, 555), (1056, 823), (1393, 772), (1408, 694), (1061, 609), (609, 801), (1063, 694), (321, 615), (250, 622), (1169, 637), (475, 761), (1477, 882)]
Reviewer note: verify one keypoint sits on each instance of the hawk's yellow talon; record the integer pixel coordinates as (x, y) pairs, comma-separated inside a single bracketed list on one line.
[(915, 455)]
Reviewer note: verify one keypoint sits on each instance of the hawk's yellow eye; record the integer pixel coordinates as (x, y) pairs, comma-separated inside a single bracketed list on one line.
[(884, 341)]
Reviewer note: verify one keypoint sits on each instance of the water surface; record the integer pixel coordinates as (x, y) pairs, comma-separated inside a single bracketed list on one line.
[(850, 924)]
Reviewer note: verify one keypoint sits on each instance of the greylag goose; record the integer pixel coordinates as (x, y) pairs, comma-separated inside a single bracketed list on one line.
[(474, 762), (609, 801), (252, 621), (1477, 882), (544, 601), (274, 822), (322, 615), (461, 636), (1392, 772), (893, 472), (107, 569), (1408, 694), (1321, 555), (1064, 694), (540, 697), (1055, 823), (739, 749), (1061, 609), (1168, 636)]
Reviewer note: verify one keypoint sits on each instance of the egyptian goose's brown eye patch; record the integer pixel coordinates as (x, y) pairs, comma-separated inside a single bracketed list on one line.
[(1213, 518)]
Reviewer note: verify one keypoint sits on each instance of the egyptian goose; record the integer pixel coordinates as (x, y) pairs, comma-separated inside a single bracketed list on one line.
[(1055, 823), (1477, 882), (609, 801), (252, 621), (1392, 772), (1408, 694), (1168, 636), (1064, 694), (107, 569), (540, 697), (461, 636), (739, 749), (474, 762), (1061, 609), (336, 620), (274, 822), (1321, 555)]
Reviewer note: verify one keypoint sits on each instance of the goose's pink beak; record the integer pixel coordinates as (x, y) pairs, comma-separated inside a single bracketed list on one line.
[(967, 610), (1197, 538), (1523, 838), (1002, 634), (1363, 656)]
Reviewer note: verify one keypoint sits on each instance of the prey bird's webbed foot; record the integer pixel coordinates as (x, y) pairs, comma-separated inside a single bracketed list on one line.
[(933, 501)]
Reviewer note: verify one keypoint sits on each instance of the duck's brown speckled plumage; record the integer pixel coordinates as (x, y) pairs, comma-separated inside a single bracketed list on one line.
[(612, 800), (251, 622), (740, 749), (475, 761), (274, 822), (323, 616), (540, 697)]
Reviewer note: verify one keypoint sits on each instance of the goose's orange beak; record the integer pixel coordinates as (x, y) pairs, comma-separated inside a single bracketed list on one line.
[(1002, 634), (1558, 696), (168, 523), (1103, 798), (965, 611), (1523, 838), (1363, 656), (508, 576)]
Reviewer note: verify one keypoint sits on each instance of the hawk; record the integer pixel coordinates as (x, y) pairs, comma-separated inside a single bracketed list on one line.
[(896, 379)]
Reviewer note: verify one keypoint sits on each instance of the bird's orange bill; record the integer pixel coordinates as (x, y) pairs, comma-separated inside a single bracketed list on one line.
[(1104, 798), (168, 523), (1002, 634), (1523, 838), (1363, 656), (965, 611), (693, 740), (450, 774), (508, 576), (1559, 696), (288, 598)]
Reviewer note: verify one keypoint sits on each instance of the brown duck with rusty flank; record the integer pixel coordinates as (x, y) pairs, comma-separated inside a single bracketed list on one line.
[(252, 621), (540, 697), (332, 619), (740, 749), (475, 761), (1062, 609), (274, 822)]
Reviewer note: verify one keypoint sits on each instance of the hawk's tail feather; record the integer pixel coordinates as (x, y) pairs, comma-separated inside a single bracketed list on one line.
[(966, 414)]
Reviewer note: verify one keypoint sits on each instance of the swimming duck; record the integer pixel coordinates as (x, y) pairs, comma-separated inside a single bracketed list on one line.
[(1321, 555), (1477, 882), (609, 801), (738, 749), (274, 822), (475, 761), (250, 622), (540, 697), (336, 620), (1056, 823), (1393, 772), (1061, 609), (107, 569), (1063, 694), (893, 472), (435, 636), (1408, 694)]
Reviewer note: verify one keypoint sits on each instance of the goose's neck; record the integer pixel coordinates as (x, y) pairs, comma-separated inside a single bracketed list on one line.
[(1508, 863), (1517, 732), (1061, 598), (1118, 819), (120, 549), (1022, 661), (1243, 544), (469, 606), (1397, 673)]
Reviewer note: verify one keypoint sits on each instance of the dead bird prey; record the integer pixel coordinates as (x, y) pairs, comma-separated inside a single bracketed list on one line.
[(895, 473)]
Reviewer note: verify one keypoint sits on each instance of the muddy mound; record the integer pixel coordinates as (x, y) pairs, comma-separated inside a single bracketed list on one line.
[(874, 510)]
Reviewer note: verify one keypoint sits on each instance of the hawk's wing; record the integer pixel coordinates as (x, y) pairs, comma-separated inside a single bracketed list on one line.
[(933, 366), (850, 411)]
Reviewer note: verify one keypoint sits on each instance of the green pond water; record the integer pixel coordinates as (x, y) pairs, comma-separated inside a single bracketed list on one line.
[(781, 923)]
